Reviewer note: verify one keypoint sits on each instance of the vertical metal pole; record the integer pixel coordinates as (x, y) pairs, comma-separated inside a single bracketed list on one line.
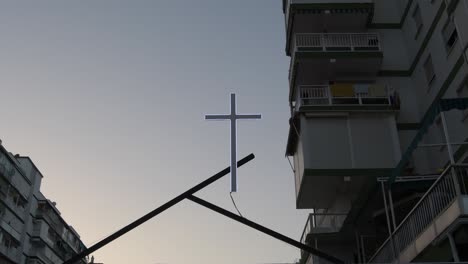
[(388, 220), (453, 247), (358, 245), (392, 210), (363, 249), (233, 144), (314, 219), (447, 138)]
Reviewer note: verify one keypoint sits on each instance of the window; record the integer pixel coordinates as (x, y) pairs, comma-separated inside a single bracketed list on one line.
[(450, 35), (429, 70), (417, 20)]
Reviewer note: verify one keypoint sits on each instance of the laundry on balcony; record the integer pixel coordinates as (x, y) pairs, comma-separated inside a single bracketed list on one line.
[(377, 90), (361, 89), (342, 90)]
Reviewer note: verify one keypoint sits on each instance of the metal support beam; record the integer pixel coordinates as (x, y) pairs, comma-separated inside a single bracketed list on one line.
[(447, 138), (156, 211), (390, 232), (265, 230), (392, 208), (453, 248)]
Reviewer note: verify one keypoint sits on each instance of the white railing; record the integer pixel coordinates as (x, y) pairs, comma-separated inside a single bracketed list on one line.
[(337, 42), (452, 183), (330, 221), (320, 95)]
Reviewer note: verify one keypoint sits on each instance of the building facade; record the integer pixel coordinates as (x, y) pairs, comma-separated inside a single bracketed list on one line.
[(32, 230), (379, 127)]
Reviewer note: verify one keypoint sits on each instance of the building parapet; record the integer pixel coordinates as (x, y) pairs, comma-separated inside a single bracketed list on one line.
[(345, 94)]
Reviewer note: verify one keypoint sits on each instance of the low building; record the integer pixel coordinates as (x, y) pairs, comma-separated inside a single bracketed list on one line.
[(32, 230)]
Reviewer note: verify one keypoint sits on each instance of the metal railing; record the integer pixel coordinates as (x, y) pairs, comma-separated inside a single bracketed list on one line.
[(308, 226), (452, 183), (358, 42), (331, 221), (14, 175), (314, 95)]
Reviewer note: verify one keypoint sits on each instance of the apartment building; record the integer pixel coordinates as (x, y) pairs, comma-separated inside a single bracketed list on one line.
[(379, 128), (32, 230)]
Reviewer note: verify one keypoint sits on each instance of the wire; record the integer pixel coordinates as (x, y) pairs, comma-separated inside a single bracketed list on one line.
[(235, 206), (290, 164)]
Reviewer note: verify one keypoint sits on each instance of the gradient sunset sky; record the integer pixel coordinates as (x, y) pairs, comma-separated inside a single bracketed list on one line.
[(108, 99)]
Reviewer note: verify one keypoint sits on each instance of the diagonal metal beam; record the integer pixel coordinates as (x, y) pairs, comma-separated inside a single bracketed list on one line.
[(156, 211), (265, 230)]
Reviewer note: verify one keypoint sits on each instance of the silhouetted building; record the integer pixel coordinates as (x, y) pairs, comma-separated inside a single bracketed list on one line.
[(32, 230), (371, 84)]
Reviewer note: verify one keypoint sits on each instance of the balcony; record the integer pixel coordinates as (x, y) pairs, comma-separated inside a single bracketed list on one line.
[(14, 175), (333, 151), (319, 225), (345, 96), (333, 56), (45, 254), (440, 207), (12, 198), (9, 252), (56, 241), (9, 244)]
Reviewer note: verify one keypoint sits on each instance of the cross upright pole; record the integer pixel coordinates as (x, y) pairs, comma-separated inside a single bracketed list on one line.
[(233, 144), (233, 117)]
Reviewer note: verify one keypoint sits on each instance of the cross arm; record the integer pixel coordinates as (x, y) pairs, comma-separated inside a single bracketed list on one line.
[(248, 116), (217, 117), (265, 230)]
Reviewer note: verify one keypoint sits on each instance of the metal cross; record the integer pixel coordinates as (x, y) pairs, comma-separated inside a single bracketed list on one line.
[(233, 117)]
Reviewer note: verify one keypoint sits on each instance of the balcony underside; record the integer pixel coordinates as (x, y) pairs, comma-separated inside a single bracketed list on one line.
[(332, 17), (319, 187), (319, 66)]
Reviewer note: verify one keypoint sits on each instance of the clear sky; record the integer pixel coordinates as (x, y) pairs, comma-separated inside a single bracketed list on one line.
[(108, 100)]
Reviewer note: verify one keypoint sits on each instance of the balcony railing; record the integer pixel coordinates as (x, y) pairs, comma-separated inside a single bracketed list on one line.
[(14, 175), (355, 42), (326, 95), (322, 223), (451, 184), (10, 252)]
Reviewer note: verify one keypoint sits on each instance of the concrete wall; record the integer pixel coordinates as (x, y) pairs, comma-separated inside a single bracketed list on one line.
[(387, 11)]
